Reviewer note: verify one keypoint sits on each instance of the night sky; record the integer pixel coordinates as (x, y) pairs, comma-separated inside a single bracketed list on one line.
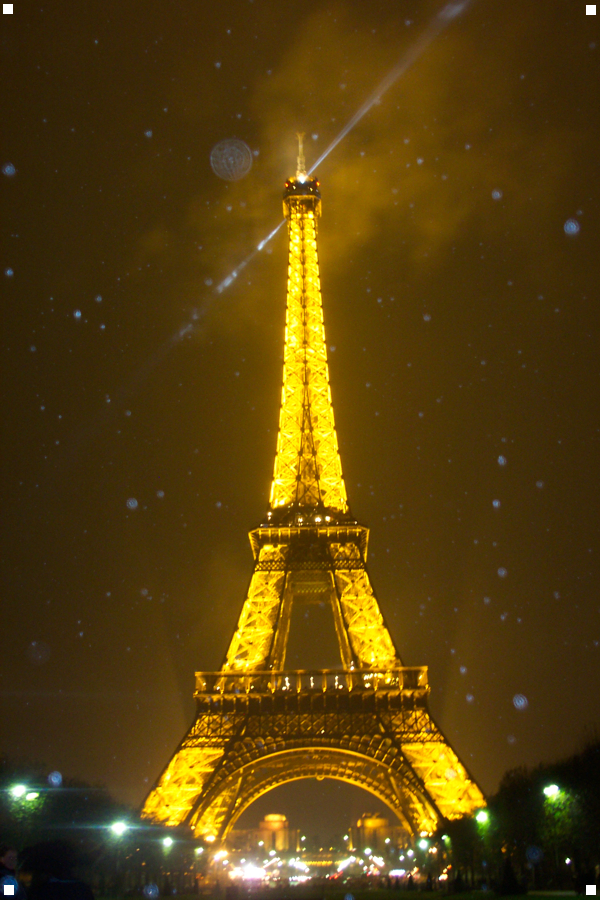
[(459, 268)]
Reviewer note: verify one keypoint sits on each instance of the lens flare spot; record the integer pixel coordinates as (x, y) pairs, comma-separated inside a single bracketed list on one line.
[(571, 227)]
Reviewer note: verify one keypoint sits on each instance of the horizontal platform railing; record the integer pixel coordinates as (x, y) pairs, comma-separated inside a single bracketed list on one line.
[(405, 678)]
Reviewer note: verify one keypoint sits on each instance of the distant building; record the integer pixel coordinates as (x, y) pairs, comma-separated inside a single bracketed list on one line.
[(273, 833), (374, 831)]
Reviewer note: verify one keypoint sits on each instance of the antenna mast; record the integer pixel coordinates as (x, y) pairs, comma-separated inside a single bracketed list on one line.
[(301, 164)]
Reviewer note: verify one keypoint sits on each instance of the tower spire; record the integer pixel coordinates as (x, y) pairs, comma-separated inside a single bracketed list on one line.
[(301, 163)]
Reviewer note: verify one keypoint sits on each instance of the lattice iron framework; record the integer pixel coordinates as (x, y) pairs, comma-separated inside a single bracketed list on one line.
[(258, 725)]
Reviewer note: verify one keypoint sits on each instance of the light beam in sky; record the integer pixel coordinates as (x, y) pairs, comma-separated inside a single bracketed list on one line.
[(438, 24)]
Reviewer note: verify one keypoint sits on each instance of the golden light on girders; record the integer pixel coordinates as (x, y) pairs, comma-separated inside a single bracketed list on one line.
[(366, 723)]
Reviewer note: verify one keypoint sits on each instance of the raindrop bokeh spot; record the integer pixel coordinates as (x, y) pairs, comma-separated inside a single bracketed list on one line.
[(571, 227), (132, 503), (520, 701), (55, 779), (534, 854), (231, 159)]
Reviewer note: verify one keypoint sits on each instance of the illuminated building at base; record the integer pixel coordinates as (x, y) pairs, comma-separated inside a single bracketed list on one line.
[(273, 833)]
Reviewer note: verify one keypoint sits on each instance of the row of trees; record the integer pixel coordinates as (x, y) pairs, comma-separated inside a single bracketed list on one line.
[(541, 828), (117, 853)]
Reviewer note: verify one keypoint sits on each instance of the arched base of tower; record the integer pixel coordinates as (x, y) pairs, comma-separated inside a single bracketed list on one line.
[(384, 778), (244, 744)]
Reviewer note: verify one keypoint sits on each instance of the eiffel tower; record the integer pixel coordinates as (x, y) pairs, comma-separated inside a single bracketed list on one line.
[(259, 725)]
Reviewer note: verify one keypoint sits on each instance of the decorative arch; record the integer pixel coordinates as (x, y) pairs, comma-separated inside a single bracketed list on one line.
[(255, 767)]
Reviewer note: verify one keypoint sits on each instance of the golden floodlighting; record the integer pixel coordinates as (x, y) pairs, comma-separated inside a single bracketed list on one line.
[(259, 725)]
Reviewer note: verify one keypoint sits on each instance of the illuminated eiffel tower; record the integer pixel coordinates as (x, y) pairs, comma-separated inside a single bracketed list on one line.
[(259, 725)]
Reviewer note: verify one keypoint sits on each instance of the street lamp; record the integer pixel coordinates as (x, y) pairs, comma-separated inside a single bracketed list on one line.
[(482, 817), (18, 790), (167, 842), (119, 828), (551, 790)]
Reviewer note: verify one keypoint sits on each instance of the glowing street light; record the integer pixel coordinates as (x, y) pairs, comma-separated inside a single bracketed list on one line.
[(168, 842), (423, 844), (32, 795), (482, 817), (551, 790), (18, 790), (119, 828)]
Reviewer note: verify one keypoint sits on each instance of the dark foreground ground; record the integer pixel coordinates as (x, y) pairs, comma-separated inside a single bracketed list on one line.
[(339, 892)]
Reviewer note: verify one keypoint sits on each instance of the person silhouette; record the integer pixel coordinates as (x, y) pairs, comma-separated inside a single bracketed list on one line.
[(8, 872)]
